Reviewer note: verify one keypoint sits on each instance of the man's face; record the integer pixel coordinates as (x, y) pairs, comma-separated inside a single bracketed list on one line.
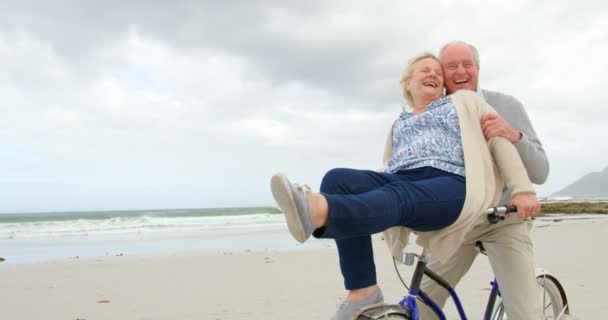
[(459, 68)]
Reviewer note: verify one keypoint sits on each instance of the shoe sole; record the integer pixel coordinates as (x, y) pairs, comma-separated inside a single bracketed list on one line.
[(281, 191)]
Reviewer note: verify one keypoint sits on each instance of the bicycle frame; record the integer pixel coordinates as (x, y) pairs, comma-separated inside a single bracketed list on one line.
[(495, 292), (410, 305)]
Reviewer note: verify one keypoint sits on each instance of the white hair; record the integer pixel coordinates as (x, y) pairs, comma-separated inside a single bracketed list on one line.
[(475, 52)]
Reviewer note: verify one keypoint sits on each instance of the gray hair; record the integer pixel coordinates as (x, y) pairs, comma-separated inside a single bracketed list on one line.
[(406, 74), (475, 52)]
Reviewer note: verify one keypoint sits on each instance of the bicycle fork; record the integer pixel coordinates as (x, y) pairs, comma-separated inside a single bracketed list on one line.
[(409, 303)]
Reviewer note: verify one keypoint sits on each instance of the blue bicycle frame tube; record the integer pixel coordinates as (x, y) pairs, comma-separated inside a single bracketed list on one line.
[(411, 306), (434, 306), (409, 302), (441, 282), (492, 300), (458, 303)]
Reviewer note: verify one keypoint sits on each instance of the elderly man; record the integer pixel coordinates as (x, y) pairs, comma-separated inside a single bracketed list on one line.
[(507, 243)]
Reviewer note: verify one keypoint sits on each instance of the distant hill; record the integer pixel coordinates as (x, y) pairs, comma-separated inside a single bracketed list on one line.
[(594, 184)]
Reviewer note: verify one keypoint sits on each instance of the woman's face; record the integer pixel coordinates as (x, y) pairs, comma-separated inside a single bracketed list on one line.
[(426, 80)]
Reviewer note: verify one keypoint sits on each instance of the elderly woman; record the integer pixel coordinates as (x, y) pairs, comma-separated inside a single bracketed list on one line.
[(440, 175)]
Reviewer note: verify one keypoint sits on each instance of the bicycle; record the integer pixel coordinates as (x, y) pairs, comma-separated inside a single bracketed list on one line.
[(555, 303)]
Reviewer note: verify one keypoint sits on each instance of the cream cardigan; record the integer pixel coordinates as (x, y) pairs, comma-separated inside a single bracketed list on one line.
[(488, 165)]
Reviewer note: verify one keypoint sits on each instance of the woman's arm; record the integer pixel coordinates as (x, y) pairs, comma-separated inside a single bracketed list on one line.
[(388, 148), (515, 176), (513, 172)]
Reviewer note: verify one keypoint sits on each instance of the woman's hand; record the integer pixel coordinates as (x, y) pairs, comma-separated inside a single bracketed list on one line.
[(527, 205)]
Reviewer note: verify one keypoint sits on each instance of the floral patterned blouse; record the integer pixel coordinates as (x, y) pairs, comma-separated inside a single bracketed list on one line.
[(431, 138)]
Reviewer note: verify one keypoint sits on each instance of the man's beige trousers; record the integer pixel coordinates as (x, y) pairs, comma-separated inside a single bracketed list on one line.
[(509, 249)]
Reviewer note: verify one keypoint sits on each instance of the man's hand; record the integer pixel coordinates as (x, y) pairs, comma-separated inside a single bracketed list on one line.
[(527, 205), (494, 125)]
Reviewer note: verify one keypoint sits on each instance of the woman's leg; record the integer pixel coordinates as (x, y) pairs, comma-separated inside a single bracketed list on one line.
[(355, 248), (425, 204), (430, 198), (356, 253), (357, 262)]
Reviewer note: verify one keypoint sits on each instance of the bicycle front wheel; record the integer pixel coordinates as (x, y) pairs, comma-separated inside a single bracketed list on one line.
[(384, 312), (550, 294)]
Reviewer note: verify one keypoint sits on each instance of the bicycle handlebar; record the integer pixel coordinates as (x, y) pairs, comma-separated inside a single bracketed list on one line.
[(496, 214)]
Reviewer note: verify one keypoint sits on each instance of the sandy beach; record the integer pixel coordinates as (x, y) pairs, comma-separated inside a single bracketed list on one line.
[(300, 283)]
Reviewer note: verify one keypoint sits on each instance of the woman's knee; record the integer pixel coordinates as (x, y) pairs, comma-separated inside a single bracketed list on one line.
[(334, 180)]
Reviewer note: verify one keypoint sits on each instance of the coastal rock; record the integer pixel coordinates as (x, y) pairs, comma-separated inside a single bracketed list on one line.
[(2, 259)]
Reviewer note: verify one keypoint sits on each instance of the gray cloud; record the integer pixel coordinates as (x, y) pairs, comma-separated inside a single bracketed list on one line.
[(204, 94)]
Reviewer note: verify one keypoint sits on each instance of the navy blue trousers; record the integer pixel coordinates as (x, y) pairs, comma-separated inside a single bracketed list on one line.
[(363, 202)]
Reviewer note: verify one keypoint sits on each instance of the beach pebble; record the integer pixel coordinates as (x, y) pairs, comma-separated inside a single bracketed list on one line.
[(103, 301)]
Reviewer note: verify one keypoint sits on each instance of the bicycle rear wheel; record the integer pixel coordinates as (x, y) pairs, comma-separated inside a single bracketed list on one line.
[(551, 296)]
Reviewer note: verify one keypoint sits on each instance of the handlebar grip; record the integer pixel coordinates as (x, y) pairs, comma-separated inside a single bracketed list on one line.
[(496, 214), (511, 208), (492, 218)]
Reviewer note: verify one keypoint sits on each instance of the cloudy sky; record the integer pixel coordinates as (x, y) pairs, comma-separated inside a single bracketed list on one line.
[(155, 104)]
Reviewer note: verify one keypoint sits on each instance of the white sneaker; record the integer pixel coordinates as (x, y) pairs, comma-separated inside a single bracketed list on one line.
[(293, 201)]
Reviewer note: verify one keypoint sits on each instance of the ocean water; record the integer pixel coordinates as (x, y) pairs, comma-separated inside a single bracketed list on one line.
[(63, 224), (34, 237)]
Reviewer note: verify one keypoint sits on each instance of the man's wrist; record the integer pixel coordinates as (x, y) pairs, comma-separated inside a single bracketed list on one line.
[(517, 136)]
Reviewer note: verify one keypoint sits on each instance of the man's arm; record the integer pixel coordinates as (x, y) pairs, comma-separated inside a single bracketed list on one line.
[(511, 168), (531, 151), (529, 146)]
